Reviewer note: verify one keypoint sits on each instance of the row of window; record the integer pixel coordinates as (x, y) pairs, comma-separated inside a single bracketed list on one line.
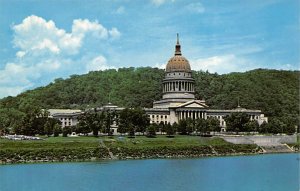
[(179, 74), (66, 123), (157, 116), (65, 119)]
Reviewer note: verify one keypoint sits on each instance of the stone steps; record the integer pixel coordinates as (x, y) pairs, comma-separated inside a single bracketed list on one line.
[(282, 148)]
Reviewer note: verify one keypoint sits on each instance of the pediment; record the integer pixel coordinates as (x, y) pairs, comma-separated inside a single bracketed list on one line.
[(193, 104)]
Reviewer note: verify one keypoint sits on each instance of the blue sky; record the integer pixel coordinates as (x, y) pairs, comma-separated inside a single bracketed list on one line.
[(44, 40)]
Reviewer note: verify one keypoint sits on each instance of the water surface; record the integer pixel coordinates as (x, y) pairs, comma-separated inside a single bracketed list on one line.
[(276, 172)]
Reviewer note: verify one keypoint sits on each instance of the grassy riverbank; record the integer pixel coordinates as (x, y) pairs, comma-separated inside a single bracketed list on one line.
[(90, 148)]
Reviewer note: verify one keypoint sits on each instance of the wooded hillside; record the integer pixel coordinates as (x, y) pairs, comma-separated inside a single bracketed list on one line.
[(275, 92)]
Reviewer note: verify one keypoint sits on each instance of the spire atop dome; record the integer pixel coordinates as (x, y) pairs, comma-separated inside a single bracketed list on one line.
[(177, 47)]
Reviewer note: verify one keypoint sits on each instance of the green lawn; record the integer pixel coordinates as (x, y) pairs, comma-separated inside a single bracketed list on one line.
[(138, 141)]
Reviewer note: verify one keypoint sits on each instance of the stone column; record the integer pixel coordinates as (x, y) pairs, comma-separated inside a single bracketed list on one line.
[(167, 86)]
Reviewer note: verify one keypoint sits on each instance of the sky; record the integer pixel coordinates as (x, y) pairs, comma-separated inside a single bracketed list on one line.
[(44, 40)]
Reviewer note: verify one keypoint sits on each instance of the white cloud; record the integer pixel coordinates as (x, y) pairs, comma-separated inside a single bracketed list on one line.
[(160, 2), (160, 65), (98, 63), (20, 54), (81, 27), (47, 52), (195, 7), (7, 90), (114, 33), (223, 64), (35, 34), (47, 44), (120, 10)]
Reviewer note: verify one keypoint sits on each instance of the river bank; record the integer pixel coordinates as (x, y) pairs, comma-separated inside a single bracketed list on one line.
[(71, 150), (8, 156)]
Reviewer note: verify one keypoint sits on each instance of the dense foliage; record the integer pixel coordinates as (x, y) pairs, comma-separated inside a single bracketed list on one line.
[(274, 92)]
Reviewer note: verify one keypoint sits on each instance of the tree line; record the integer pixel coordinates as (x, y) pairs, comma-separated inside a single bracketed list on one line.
[(129, 121)]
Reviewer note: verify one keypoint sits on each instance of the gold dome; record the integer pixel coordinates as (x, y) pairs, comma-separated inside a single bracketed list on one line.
[(178, 63)]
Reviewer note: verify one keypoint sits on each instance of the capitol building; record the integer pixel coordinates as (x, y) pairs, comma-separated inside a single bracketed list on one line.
[(178, 101)]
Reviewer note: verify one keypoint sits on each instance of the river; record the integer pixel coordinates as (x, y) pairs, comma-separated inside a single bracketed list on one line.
[(274, 172)]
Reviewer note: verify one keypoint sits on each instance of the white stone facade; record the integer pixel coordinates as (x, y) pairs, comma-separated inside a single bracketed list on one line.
[(67, 117)]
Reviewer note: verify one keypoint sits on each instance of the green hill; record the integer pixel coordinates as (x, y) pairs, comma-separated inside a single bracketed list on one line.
[(275, 92)]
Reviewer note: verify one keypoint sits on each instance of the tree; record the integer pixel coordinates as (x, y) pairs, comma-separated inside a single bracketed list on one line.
[(276, 126), (170, 130), (67, 130), (251, 126), (133, 120), (201, 126), (213, 124), (175, 127), (190, 127), (182, 127), (84, 122), (124, 121), (139, 119), (264, 128), (108, 121), (151, 131), (161, 127), (131, 130), (57, 130), (236, 122), (98, 123), (48, 128)]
